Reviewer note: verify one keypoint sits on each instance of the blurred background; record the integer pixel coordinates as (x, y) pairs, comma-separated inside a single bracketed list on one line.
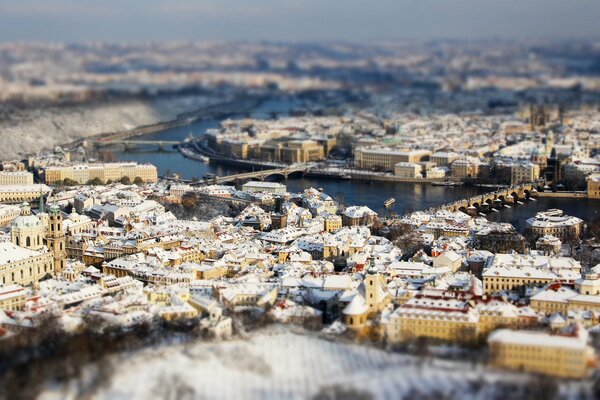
[(72, 70)]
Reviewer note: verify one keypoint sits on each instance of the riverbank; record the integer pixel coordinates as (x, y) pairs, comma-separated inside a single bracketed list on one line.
[(564, 195), (220, 110)]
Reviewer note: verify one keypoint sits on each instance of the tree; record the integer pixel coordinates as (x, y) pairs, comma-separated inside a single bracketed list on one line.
[(70, 182), (138, 181), (594, 228), (125, 180), (189, 200), (571, 240), (95, 181), (406, 237)]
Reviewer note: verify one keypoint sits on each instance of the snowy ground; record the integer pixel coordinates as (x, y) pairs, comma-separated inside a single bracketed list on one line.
[(43, 128), (286, 365)]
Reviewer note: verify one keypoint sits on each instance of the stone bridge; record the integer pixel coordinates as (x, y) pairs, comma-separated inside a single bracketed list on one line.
[(260, 175), (497, 199)]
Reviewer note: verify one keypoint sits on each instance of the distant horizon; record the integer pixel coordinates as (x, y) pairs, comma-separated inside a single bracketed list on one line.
[(307, 21), (374, 41)]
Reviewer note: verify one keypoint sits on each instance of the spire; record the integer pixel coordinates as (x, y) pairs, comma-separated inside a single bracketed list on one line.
[(41, 201), (372, 269), (54, 208)]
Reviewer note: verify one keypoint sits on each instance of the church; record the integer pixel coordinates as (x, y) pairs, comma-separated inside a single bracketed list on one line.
[(37, 247)]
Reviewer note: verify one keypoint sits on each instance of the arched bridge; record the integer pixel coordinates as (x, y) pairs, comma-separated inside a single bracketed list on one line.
[(260, 175), (496, 199), (129, 143)]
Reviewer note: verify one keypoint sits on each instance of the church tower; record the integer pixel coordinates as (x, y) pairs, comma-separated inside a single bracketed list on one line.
[(55, 238), (376, 295)]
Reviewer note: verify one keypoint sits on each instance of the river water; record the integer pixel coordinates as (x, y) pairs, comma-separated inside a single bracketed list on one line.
[(409, 196)]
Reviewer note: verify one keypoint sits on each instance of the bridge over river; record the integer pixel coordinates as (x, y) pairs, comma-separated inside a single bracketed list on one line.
[(492, 200), (260, 175)]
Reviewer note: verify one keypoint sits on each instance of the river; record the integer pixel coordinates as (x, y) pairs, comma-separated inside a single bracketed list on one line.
[(409, 196)]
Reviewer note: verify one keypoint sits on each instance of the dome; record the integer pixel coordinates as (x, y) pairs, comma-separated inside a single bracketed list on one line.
[(54, 209), (357, 306), (26, 221)]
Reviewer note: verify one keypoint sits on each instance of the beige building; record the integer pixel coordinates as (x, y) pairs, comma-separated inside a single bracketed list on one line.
[(453, 319), (8, 213), (12, 297), (16, 194), (16, 178), (22, 266), (444, 159), (82, 173), (386, 159), (553, 222), (539, 352), (262, 186), (466, 168), (524, 173), (593, 187), (449, 259), (407, 170)]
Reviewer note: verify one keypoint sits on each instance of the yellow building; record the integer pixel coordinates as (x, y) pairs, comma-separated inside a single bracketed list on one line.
[(539, 352), (12, 297), (8, 213), (506, 278), (82, 173), (453, 319), (16, 194), (16, 178), (386, 159), (593, 186), (332, 223), (356, 313), (22, 266), (562, 299), (450, 320)]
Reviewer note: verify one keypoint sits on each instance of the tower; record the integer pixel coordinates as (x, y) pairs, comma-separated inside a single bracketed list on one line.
[(376, 295), (55, 238), (549, 142)]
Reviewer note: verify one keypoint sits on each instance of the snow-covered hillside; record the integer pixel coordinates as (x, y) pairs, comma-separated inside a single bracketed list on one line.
[(285, 365), (31, 130)]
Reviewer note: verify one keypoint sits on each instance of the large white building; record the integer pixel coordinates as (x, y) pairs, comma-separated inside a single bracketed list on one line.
[(260, 186)]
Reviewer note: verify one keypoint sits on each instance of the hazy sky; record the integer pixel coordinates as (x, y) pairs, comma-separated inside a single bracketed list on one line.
[(353, 20)]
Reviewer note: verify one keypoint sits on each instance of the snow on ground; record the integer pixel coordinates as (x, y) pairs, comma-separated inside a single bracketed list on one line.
[(287, 365), (43, 128)]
